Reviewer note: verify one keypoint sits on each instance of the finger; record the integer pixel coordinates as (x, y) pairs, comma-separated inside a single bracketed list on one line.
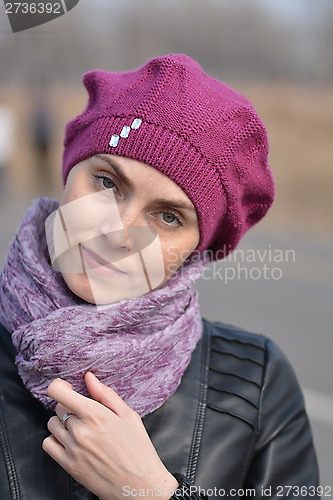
[(57, 430), (55, 449), (105, 395), (62, 392), (61, 410)]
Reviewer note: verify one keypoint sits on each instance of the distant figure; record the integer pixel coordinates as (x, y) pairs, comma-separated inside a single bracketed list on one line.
[(41, 130), (7, 122)]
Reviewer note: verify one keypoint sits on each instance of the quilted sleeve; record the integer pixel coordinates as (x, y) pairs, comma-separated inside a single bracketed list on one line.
[(284, 463)]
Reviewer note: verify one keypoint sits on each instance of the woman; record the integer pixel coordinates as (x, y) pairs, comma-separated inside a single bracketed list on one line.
[(164, 171)]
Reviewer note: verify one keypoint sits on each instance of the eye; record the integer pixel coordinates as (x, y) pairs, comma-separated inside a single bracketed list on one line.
[(170, 218), (107, 182)]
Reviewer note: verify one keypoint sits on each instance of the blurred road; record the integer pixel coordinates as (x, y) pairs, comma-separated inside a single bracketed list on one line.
[(292, 304)]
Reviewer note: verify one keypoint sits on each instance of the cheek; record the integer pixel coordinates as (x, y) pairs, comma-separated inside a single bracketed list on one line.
[(176, 250), (89, 217), (79, 285), (72, 191), (77, 184)]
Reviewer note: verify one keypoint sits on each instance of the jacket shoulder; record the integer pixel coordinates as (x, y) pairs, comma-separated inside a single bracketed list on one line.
[(259, 349), (231, 333), (237, 360), (255, 370)]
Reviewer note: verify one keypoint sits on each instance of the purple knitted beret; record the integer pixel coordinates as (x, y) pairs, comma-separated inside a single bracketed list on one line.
[(194, 129)]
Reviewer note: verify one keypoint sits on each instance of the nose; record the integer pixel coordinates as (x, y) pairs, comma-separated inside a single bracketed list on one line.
[(125, 238)]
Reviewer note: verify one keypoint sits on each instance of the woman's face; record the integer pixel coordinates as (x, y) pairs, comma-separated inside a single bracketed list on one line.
[(122, 229)]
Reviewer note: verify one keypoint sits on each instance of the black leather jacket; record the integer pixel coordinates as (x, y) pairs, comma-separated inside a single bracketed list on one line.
[(236, 423)]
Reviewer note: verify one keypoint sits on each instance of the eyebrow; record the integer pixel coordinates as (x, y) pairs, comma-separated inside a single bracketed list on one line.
[(129, 184)]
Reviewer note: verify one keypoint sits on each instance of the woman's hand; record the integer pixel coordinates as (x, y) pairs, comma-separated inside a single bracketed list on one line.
[(104, 445)]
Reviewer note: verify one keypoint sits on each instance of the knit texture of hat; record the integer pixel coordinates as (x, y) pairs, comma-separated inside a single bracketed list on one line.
[(189, 126)]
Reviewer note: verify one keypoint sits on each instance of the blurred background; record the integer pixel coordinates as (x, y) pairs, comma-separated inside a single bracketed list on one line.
[(276, 52)]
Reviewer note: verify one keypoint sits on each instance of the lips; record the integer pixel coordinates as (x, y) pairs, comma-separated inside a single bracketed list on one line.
[(97, 262)]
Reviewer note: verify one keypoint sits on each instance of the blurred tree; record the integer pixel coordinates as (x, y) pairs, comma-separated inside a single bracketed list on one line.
[(248, 38)]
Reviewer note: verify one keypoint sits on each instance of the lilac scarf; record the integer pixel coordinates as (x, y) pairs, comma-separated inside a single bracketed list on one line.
[(140, 347)]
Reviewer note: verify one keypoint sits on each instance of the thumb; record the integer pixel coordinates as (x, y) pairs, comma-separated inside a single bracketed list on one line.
[(105, 395)]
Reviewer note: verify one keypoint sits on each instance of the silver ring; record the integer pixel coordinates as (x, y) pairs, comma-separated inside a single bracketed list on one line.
[(64, 419)]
